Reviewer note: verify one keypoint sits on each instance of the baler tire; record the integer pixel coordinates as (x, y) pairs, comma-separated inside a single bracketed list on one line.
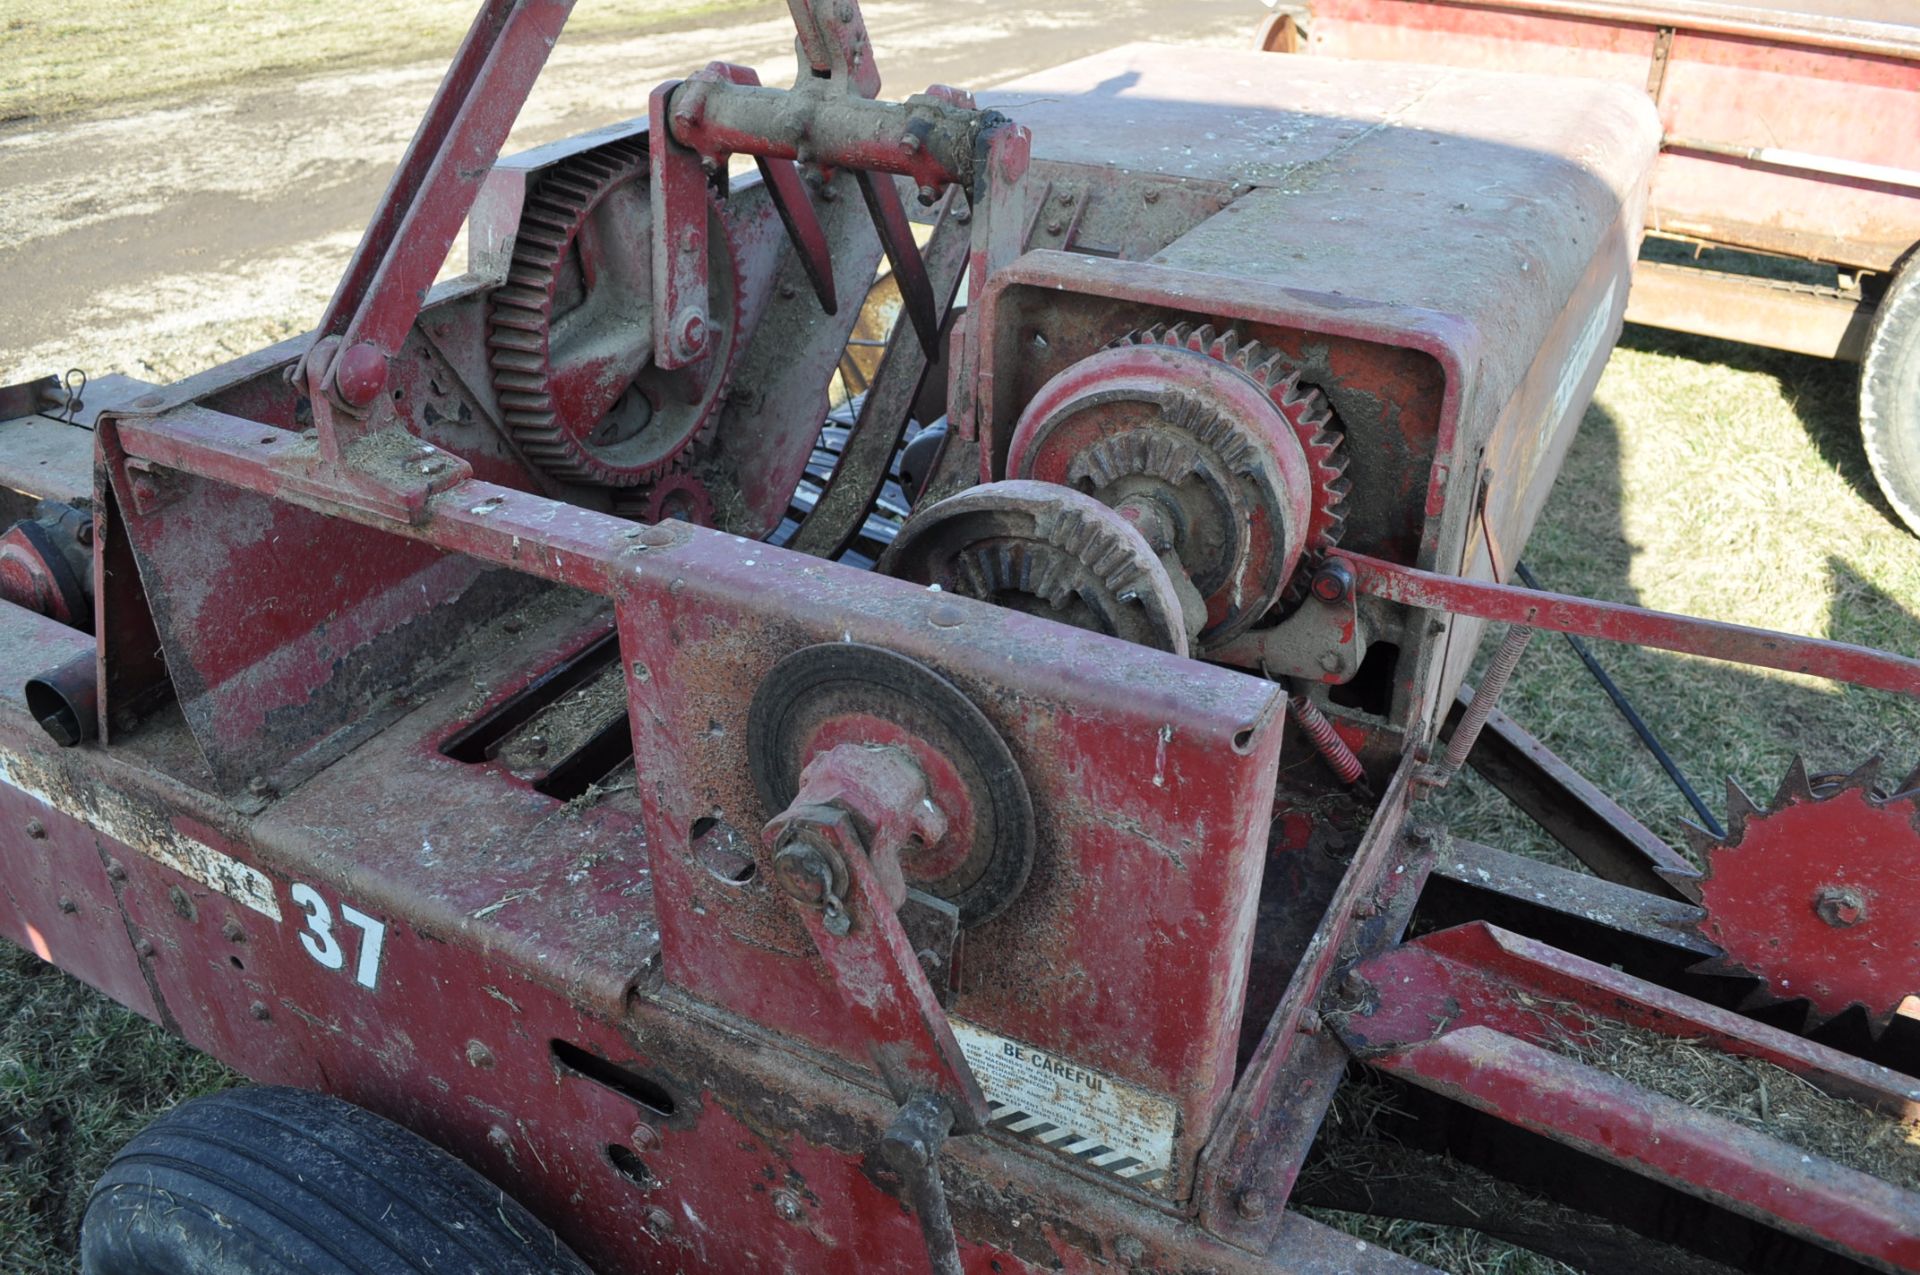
[(1890, 394), (274, 1181)]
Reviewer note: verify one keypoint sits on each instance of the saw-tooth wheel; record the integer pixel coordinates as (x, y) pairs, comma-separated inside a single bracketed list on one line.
[(570, 335), (821, 697), (1045, 550), (1817, 895), (1244, 463)]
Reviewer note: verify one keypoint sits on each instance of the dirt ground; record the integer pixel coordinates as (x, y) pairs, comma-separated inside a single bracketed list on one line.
[(162, 238), (157, 234)]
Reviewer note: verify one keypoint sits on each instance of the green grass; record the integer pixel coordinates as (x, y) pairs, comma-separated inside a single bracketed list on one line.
[(79, 1075), (69, 55)]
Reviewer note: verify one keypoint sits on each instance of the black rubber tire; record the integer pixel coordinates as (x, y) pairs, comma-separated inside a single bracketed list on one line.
[(1890, 394), (272, 1181)]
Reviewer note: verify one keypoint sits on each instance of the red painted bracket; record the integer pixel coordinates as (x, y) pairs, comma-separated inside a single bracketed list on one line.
[(1471, 1013)]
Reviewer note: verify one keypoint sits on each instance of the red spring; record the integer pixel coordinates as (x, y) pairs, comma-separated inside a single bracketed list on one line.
[(1326, 739)]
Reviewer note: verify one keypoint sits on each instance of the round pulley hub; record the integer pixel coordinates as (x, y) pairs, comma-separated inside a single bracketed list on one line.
[(821, 697), (1045, 550), (1217, 438), (1817, 894), (570, 333)]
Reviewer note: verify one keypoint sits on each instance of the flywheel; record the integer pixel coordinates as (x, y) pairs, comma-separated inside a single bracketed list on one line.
[(1818, 893), (570, 334), (821, 697)]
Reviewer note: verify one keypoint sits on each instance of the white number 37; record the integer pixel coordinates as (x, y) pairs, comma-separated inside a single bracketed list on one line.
[(324, 947)]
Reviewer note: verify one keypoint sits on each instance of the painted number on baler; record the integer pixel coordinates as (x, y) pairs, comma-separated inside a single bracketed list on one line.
[(324, 947)]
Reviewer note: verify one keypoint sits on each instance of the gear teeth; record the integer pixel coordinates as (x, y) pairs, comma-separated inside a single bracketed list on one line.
[(1740, 808), (1699, 839), (520, 314), (1910, 786), (1795, 786), (1760, 998), (1864, 775)]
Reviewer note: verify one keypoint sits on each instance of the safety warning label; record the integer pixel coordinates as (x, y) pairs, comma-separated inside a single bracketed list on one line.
[(1114, 1126)]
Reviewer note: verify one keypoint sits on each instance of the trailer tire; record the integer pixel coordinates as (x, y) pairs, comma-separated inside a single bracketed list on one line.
[(1890, 394), (272, 1181)]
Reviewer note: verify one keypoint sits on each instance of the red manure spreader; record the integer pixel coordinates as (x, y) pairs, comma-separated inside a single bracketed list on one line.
[(854, 696)]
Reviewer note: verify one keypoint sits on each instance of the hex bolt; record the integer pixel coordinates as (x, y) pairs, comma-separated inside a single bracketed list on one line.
[(1840, 906), (1055, 226), (68, 905), (1251, 1205), (260, 1011), (1333, 582), (478, 1055), (231, 931), (786, 1205), (1151, 195), (659, 1222), (36, 830), (644, 1138), (116, 870), (143, 948), (260, 786), (929, 196), (1310, 1023)]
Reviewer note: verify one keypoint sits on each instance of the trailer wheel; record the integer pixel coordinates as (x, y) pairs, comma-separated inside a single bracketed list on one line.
[(272, 1181), (1890, 395)]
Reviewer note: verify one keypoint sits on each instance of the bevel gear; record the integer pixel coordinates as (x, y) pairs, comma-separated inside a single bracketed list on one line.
[(1045, 550), (1305, 408), (570, 331), (1816, 895)]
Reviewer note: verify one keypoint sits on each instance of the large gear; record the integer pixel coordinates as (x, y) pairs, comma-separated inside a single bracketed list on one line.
[(1816, 894), (1304, 407), (570, 331), (1238, 466)]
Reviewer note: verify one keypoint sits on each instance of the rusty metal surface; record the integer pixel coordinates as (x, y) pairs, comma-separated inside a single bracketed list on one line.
[(1807, 320), (1617, 622), (1474, 1013), (511, 923)]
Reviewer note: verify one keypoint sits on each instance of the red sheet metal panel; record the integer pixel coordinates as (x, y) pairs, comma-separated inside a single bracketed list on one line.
[(1831, 86)]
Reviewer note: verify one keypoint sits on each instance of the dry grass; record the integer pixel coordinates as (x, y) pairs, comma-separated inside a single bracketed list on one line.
[(1754, 1094), (68, 55)]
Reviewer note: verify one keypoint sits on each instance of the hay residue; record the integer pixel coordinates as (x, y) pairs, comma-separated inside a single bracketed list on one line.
[(1755, 1094), (566, 726)]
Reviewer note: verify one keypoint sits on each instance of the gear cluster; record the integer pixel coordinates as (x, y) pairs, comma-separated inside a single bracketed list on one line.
[(1170, 489)]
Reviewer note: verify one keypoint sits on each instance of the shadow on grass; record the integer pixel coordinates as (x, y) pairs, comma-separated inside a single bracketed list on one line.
[(1824, 395), (1718, 720)]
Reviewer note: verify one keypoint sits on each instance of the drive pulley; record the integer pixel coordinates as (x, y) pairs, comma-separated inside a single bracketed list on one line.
[(844, 693)]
